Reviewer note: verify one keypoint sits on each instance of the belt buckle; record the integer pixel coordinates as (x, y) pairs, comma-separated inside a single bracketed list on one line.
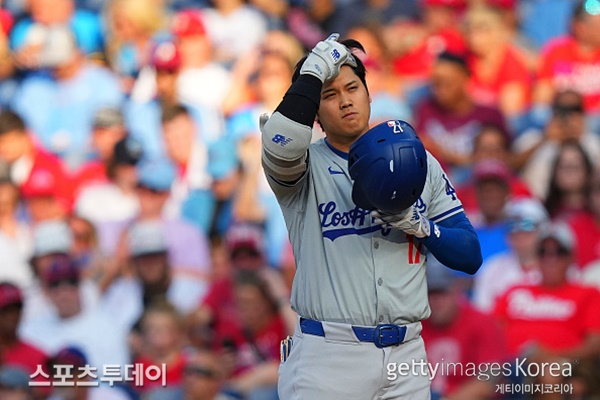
[(388, 335)]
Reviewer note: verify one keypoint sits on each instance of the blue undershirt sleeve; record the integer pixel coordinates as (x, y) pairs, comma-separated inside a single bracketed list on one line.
[(457, 245)]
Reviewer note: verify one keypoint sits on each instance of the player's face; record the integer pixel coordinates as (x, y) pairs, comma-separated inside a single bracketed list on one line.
[(345, 109)]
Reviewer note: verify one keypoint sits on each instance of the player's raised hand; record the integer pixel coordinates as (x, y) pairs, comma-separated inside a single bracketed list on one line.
[(326, 58), (410, 221)]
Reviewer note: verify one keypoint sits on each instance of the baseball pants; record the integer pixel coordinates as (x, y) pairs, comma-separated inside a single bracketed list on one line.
[(339, 366)]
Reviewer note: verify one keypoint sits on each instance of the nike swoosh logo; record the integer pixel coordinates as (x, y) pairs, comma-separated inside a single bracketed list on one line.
[(335, 172)]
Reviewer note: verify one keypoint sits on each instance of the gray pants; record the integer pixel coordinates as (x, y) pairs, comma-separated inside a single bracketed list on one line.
[(344, 368)]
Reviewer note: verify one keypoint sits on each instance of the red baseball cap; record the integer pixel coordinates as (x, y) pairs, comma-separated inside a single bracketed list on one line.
[(503, 4), (42, 182), (491, 169), (188, 23), (10, 294), (165, 56), (460, 4)]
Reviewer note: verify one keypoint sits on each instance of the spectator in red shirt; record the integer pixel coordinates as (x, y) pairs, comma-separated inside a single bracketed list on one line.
[(499, 74), (571, 63), (449, 120), (586, 227), (42, 179), (457, 333), (162, 339), (417, 45), (491, 145), (556, 318), (216, 322), (13, 350), (107, 130), (262, 328)]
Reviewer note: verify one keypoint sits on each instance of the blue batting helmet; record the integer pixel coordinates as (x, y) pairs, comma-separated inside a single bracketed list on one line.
[(389, 167)]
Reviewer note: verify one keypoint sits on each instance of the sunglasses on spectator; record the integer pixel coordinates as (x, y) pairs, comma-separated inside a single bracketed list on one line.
[(53, 284), (560, 252), (568, 109), (200, 371)]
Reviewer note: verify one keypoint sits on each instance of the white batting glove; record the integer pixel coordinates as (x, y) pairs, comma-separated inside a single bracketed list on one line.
[(326, 58), (410, 221)]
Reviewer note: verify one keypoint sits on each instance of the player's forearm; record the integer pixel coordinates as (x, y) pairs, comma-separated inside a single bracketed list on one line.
[(457, 245), (287, 134), (301, 101)]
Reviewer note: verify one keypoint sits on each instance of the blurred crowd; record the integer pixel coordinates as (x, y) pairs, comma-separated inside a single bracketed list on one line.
[(138, 232)]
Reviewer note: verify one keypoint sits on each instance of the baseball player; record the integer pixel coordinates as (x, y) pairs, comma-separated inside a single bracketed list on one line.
[(360, 286)]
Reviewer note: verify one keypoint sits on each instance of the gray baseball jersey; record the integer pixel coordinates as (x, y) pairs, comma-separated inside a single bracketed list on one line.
[(349, 269)]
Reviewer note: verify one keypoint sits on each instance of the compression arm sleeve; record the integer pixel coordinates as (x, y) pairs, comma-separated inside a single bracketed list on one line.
[(288, 132), (457, 245)]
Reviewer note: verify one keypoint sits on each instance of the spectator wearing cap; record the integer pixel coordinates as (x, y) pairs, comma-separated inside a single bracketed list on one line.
[(564, 64), (143, 116), (538, 149), (43, 181), (79, 384), (245, 249), (491, 143), (198, 70), (107, 130), (52, 243), (14, 351), (152, 276), (115, 200), (449, 120), (73, 324), (491, 179), (556, 316), (518, 265), (556, 320), (457, 334), (188, 246), (59, 106), (586, 227)]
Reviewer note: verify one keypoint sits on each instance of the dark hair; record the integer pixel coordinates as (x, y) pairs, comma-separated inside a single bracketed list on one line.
[(172, 111), (555, 195), (252, 278), (11, 122), (506, 138), (580, 11), (455, 59), (359, 70)]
